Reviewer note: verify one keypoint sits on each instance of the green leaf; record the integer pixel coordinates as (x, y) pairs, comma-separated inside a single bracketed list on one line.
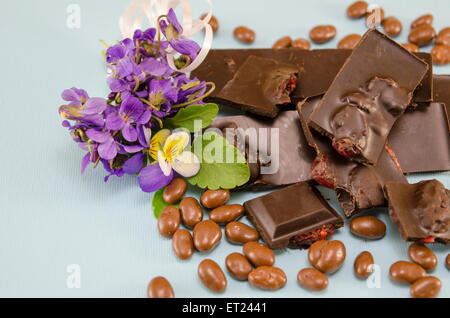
[(186, 116), (158, 203), (222, 165)]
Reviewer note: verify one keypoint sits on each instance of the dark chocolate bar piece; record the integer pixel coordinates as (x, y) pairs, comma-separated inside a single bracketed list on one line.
[(371, 91), (294, 217), (318, 68), (291, 153), (260, 86), (424, 91), (421, 211), (441, 92), (421, 140), (357, 186)]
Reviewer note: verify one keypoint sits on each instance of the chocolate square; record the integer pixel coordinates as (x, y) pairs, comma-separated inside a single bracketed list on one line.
[(421, 211), (294, 217), (260, 86)]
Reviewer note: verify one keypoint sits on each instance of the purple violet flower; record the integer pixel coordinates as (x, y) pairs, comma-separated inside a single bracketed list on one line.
[(161, 91), (91, 155), (153, 67), (144, 135), (81, 107), (117, 52), (131, 111), (75, 96), (147, 35), (107, 145), (137, 71), (112, 171), (119, 85), (191, 87), (173, 32)]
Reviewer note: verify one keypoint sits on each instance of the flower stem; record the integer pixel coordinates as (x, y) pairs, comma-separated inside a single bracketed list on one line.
[(158, 29), (136, 79), (213, 87), (106, 45), (158, 120), (148, 103), (96, 162)]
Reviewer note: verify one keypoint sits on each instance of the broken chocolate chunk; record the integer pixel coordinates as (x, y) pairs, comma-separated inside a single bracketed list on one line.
[(421, 140), (370, 92), (276, 150), (421, 211), (293, 217), (441, 92), (260, 86), (357, 186)]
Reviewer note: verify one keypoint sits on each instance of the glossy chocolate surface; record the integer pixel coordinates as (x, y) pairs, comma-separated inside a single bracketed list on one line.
[(291, 211), (421, 211), (360, 107), (260, 86), (421, 140), (441, 92), (358, 186)]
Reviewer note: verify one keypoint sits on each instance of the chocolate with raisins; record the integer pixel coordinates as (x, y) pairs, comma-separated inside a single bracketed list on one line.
[(294, 217), (421, 211), (260, 86), (357, 186), (421, 139), (371, 91)]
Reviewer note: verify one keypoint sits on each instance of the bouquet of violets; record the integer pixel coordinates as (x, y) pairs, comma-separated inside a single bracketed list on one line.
[(137, 128)]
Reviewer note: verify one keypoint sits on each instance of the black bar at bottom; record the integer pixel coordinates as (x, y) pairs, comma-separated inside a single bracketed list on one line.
[(217, 307)]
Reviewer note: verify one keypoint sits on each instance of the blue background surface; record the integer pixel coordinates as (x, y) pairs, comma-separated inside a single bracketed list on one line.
[(51, 216)]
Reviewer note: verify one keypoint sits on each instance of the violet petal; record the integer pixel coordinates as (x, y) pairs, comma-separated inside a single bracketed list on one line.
[(132, 148), (172, 18), (108, 149), (85, 162), (97, 135), (129, 132), (134, 164), (94, 105), (116, 84), (145, 117), (186, 47), (95, 120), (74, 94), (125, 66), (151, 178), (132, 108), (114, 121)]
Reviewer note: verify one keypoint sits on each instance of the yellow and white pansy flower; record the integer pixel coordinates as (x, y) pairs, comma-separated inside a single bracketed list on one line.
[(170, 151), (157, 141), (173, 155)]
